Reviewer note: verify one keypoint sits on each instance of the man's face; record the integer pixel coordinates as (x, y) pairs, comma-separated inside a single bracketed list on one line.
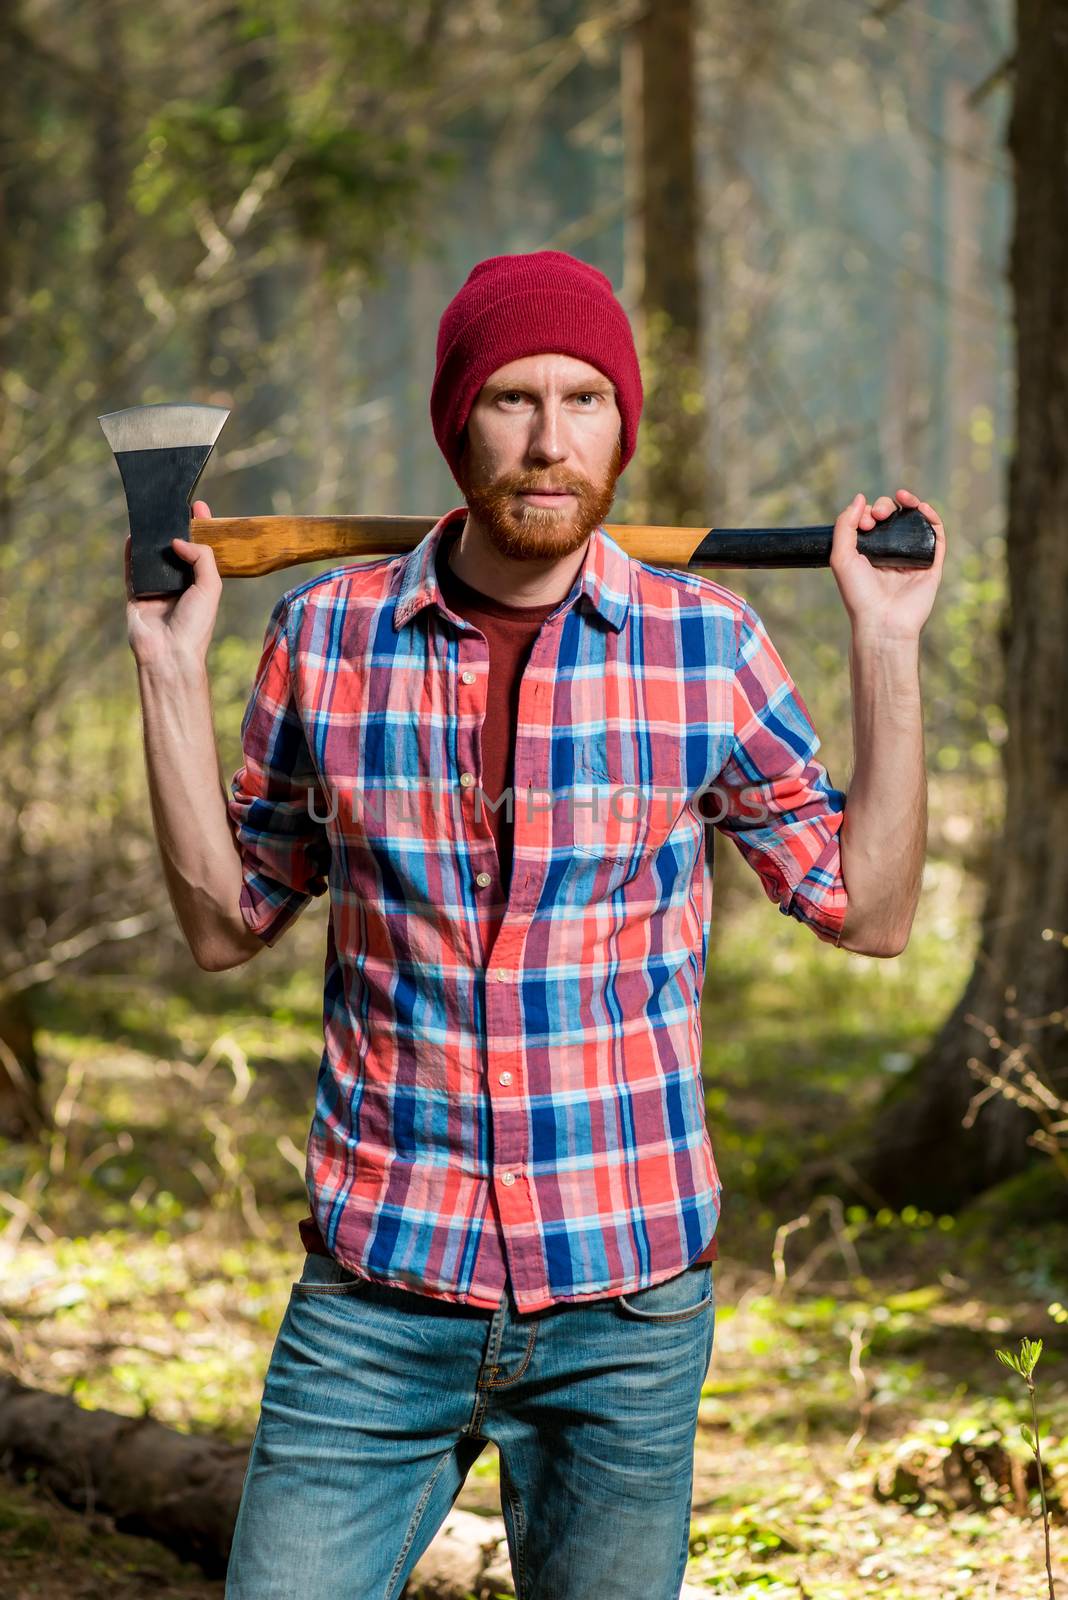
[(542, 455)]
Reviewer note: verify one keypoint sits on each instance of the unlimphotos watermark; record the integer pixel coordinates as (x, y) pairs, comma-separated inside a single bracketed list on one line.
[(622, 803)]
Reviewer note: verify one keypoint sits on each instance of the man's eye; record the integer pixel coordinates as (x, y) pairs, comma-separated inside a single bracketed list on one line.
[(517, 394)]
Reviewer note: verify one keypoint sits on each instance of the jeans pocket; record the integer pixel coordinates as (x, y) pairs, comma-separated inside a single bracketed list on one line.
[(676, 1299), (324, 1275)]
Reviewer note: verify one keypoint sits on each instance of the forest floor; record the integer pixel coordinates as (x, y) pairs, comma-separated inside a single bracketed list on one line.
[(151, 1243)]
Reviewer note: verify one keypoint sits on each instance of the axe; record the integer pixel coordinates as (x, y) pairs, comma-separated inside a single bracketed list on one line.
[(162, 450)]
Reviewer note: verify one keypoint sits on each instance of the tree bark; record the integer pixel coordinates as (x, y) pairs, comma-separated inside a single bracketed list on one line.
[(173, 1487), (23, 1113), (661, 69), (1014, 1012)]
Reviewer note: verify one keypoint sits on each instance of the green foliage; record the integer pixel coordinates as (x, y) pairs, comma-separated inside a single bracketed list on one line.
[(1025, 1361), (742, 1530), (967, 670), (781, 1099)]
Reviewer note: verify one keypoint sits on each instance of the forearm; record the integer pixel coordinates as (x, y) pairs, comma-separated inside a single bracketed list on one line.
[(884, 830), (200, 859)]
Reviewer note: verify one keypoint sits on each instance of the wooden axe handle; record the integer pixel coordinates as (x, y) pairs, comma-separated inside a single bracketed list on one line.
[(245, 547)]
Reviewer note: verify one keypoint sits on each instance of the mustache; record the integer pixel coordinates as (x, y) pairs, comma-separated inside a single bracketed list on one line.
[(509, 485)]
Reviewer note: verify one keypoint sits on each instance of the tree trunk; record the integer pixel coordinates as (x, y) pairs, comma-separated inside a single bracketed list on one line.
[(661, 70), (23, 1114), (109, 157), (1013, 1014), (239, 360)]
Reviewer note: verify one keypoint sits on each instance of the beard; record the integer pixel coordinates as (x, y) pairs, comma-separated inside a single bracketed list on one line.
[(537, 533)]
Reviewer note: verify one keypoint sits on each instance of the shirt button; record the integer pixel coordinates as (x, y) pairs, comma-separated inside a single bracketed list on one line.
[(508, 1177), (467, 779), (505, 1077), (482, 879), (468, 677), (501, 973)]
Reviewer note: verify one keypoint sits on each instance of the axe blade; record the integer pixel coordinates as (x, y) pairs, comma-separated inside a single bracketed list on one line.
[(161, 451)]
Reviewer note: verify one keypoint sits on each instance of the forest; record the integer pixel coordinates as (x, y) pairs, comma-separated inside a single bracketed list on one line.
[(840, 230)]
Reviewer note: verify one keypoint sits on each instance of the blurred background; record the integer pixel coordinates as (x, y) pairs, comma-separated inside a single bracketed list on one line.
[(839, 229)]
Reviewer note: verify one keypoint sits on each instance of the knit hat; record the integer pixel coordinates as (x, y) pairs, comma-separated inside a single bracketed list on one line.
[(523, 305)]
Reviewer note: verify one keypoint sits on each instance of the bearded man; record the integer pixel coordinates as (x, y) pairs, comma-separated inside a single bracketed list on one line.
[(504, 755)]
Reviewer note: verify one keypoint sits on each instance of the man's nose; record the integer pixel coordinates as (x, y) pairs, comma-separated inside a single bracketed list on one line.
[(547, 440)]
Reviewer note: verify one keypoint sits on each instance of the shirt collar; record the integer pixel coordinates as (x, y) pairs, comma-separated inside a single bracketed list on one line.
[(604, 577)]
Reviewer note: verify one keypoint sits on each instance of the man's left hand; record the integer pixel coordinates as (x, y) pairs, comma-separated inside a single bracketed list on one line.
[(886, 603)]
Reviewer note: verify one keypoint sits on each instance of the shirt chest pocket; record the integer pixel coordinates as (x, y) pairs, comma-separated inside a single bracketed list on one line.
[(616, 822)]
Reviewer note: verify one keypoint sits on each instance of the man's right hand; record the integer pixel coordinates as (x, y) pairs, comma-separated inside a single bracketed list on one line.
[(166, 629)]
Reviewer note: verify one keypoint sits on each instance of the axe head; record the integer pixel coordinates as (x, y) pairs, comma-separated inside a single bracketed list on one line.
[(161, 451)]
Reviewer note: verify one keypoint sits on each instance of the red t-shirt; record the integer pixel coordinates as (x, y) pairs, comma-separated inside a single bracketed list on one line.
[(510, 633)]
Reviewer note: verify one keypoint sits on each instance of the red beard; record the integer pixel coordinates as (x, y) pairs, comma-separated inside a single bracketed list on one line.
[(538, 533)]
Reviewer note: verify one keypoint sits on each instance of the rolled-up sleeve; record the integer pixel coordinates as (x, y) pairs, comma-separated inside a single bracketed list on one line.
[(773, 798), (285, 849)]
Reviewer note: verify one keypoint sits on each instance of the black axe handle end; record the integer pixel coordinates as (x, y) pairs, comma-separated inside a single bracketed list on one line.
[(904, 539)]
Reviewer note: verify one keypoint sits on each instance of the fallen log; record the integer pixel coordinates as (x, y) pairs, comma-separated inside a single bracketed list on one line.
[(178, 1488)]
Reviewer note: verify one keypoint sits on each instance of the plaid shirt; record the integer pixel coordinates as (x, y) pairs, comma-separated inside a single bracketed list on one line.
[(547, 1083)]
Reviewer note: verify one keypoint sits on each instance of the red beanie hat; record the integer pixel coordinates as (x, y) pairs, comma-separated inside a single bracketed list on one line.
[(543, 301)]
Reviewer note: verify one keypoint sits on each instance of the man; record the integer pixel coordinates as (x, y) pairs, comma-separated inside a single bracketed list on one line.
[(514, 1196)]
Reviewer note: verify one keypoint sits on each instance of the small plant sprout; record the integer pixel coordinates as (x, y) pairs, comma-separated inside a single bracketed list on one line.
[(1025, 1363)]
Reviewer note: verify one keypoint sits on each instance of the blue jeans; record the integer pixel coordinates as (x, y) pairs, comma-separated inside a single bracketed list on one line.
[(378, 1401)]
